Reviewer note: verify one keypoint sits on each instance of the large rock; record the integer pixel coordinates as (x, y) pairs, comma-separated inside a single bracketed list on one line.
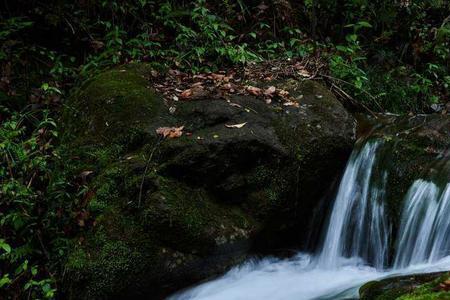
[(164, 213), (408, 287), (414, 148)]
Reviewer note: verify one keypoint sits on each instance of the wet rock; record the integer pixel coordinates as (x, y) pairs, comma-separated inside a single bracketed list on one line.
[(416, 286), (170, 212), (416, 148)]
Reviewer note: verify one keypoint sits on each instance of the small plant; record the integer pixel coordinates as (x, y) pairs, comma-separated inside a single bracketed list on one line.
[(26, 210)]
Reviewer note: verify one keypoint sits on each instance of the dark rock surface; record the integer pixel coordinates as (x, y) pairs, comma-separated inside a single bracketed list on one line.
[(409, 287), (169, 212)]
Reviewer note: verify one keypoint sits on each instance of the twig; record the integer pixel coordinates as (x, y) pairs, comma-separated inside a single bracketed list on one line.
[(70, 25), (31, 180), (353, 100), (42, 245), (145, 171), (349, 83)]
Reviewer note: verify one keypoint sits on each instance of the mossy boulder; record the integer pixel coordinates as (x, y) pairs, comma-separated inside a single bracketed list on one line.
[(165, 213), (409, 287), (174, 236), (115, 106), (414, 148)]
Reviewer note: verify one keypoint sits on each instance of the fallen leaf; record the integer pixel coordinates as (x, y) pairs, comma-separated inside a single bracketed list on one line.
[(186, 94), (283, 93), (197, 91), (235, 125), (235, 104), (97, 45), (86, 173), (199, 83), (154, 73), (227, 86), (217, 77), (170, 132), (174, 72), (262, 6), (291, 103), (200, 76), (304, 73), (270, 90), (254, 90)]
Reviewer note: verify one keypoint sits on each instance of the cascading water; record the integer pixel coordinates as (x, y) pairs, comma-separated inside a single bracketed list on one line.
[(355, 248), (358, 227), (425, 228)]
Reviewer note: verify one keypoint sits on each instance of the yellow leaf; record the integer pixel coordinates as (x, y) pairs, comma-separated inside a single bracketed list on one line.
[(235, 125)]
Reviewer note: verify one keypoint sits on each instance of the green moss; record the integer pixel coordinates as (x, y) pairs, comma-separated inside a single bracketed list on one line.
[(412, 287), (119, 253), (115, 106), (190, 220), (428, 291)]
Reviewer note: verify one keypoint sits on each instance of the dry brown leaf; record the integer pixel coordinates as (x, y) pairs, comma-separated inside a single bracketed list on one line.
[(262, 6), (170, 132), (270, 90), (84, 175), (97, 45), (254, 90), (291, 103), (304, 73), (227, 86), (217, 77), (186, 94), (235, 125), (200, 76), (235, 104), (174, 72), (283, 93), (154, 73), (198, 83)]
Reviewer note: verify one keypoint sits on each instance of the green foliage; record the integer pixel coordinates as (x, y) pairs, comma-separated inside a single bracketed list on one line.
[(30, 208), (8, 29), (398, 71)]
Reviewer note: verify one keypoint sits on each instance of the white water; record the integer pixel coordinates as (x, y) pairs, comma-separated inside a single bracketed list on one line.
[(355, 247), (358, 227), (425, 228)]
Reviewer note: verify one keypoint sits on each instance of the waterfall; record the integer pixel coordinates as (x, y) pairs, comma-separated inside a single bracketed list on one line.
[(358, 226), (424, 235), (355, 247)]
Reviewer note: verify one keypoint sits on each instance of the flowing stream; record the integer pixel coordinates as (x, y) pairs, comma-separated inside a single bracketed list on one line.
[(355, 247)]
